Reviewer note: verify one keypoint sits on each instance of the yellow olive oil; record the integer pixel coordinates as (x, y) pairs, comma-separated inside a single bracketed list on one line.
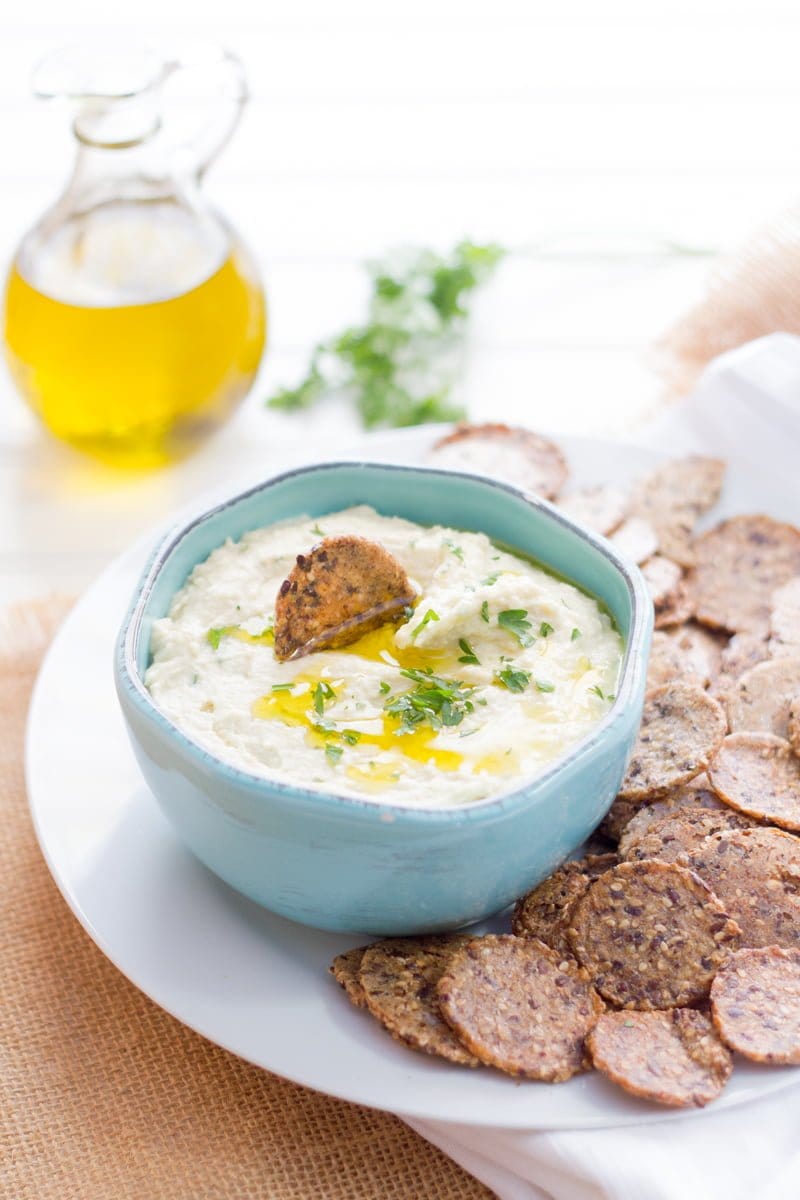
[(137, 384)]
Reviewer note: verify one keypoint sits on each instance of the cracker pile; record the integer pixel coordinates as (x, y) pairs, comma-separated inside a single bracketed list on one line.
[(677, 940)]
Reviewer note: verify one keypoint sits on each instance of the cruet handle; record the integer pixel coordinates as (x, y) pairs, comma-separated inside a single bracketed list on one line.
[(197, 152)]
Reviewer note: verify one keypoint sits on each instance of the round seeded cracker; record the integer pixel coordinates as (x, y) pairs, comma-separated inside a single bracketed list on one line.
[(739, 564), (545, 912), (672, 1057), (342, 588), (793, 726), (688, 653), (755, 1003), (600, 508), (674, 496), (760, 700), (517, 456), (344, 969), (756, 875), (682, 727), (635, 539), (784, 620), (757, 774), (399, 978), (519, 1007), (678, 833), (651, 935)]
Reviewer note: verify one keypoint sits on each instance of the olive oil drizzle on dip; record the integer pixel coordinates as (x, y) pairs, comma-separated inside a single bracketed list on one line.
[(498, 669)]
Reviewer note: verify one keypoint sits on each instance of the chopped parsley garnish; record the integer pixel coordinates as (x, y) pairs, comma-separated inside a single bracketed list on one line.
[(392, 364), (322, 692), (430, 615), (468, 655), (491, 580), (319, 532), (485, 611), (515, 621), (351, 736), (545, 629), (282, 687), (544, 685), (576, 633), (433, 699), (459, 553), (214, 637), (385, 689), (333, 753), (598, 691), (514, 680)]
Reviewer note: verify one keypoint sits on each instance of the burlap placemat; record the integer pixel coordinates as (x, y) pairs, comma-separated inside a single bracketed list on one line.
[(104, 1097)]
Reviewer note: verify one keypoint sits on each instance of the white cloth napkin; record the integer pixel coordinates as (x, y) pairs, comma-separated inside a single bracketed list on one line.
[(747, 404)]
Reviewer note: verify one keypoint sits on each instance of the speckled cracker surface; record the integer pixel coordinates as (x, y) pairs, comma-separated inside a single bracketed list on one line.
[(344, 969), (784, 620), (739, 564), (399, 978), (545, 912), (760, 700), (651, 935), (342, 588), (519, 1007), (793, 726), (688, 796), (672, 498), (681, 729), (757, 774), (688, 653), (755, 1003), (673, 1057), (601, 508), (517, 456), (756, 875), (675, 834)]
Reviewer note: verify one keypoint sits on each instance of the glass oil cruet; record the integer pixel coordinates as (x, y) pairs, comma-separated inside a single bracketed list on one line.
[(134, 315)]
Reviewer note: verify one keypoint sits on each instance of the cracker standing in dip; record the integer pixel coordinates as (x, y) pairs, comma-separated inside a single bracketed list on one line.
[(497, 670)]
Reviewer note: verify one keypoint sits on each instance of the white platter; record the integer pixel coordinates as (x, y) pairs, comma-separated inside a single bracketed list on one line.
[(247, 980)]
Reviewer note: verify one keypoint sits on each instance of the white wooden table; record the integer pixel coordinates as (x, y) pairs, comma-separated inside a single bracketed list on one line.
[(593, 140)]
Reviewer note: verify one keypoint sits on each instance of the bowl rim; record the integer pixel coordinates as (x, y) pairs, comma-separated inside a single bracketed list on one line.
[(131, 686)]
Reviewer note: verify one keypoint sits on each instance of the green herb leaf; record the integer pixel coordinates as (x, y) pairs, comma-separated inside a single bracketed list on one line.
[(514, 680), (214, 637), (433, 699), (468, 655), (322, 692), (491, 580), (430, 615), (319, 532), (384, 687), (598, 691), (545, 629), (515, 621), (544, 685), (576, 633), (485, 611), (282, 687), (396, 365), (351, 736), (459, 553), (333, 753)]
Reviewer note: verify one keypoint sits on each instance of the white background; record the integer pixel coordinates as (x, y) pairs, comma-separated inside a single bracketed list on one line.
[(600, 141)]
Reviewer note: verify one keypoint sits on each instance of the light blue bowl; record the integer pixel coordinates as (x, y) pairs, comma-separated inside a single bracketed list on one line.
[(350, 864)]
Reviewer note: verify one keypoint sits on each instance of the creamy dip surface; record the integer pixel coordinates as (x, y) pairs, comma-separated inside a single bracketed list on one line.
[(499, 669)]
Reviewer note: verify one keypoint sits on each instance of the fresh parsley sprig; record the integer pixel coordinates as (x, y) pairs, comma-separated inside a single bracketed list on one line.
[(515, 621), (433, 699), (397, 364)]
